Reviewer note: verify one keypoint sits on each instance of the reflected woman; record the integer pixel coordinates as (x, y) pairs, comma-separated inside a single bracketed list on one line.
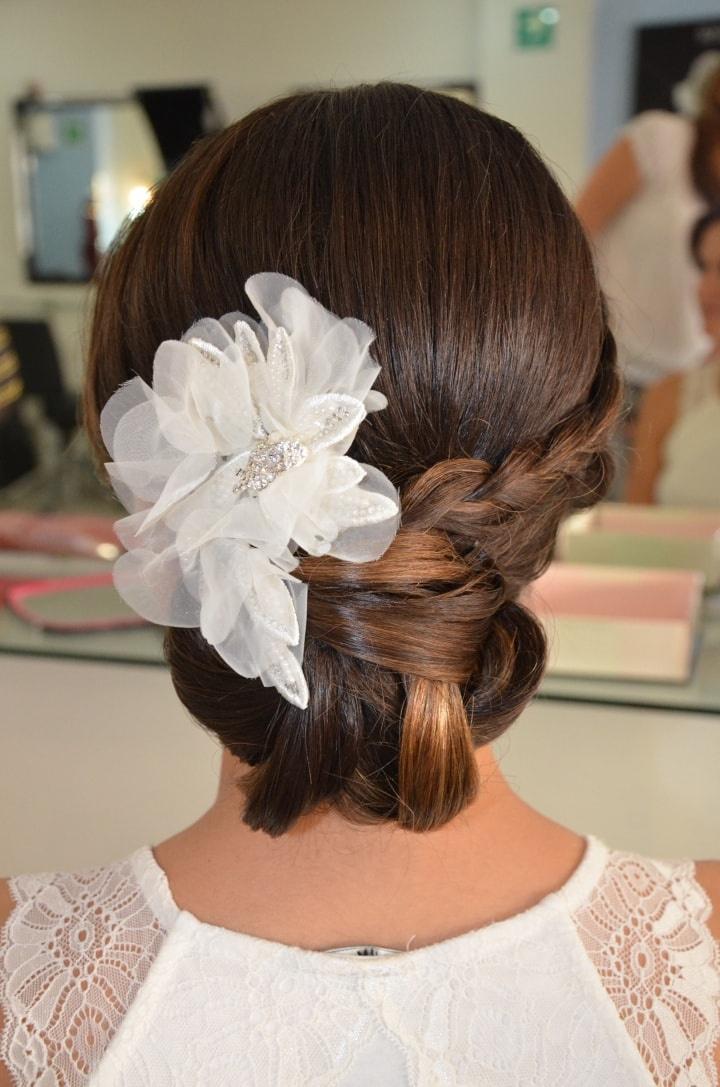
[(677, 435), (638, 207)]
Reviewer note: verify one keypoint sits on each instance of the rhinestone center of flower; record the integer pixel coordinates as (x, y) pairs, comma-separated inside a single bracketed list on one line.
[(268, 460)]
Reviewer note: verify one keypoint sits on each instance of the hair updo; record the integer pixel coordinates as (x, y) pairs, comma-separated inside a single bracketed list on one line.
[(440, 227)]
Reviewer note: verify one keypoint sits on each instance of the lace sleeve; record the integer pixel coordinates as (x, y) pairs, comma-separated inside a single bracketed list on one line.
[(73, 954), (645, 930)]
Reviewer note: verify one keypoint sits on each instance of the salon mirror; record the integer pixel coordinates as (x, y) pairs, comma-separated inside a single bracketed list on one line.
[(83, 167)]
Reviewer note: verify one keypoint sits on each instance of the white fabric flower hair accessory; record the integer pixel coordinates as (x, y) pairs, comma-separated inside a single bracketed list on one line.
[(232, 461)]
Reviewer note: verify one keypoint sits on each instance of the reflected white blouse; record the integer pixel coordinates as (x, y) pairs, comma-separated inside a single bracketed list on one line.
[(612, 980)]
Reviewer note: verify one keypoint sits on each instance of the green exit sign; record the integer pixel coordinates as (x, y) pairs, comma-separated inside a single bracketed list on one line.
[(535, 27)]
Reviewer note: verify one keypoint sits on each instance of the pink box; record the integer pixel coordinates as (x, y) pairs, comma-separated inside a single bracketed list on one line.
[(618, 623), (644, 536)]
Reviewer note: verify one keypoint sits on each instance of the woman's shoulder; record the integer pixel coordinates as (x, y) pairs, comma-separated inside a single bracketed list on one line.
[(693, 883), (651, 930), (707, 874), (78, 924)]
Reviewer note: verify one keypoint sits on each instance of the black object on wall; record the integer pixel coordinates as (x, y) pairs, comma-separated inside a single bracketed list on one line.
[(663, 54), (179, 116), (41, 372)]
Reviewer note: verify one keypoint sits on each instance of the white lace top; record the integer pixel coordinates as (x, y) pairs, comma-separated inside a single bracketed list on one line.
[(612, 980)]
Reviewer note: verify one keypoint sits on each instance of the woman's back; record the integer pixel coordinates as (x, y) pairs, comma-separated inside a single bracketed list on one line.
[(612, 978)]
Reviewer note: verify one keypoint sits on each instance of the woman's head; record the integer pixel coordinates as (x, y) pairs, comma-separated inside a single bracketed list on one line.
[(440, 227), (705, 247)]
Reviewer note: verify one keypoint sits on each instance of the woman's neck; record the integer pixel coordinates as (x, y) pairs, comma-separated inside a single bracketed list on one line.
[(328, 883)]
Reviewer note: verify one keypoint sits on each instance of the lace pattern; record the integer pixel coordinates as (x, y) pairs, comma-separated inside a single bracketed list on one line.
[(73, 955), (513, 1001), (646, 934)]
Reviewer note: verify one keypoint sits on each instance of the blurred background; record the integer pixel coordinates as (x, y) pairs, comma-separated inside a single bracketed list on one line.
[(98, 100)]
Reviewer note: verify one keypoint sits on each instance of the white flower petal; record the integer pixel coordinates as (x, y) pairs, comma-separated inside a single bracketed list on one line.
[(375, 401), (137, 436), (188, 475), (224, 587), (248, 344), (283, 672), (221, 396), (315, 534), (343, 473), (269, 601), (131, 395), (211, 330), (331, 352), (329, 420), (281, 372), (204, 397), (357, 508), (368, 541), (155, 586), (292, 493)]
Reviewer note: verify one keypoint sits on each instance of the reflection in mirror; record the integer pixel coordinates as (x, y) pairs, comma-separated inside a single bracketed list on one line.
[(649, 208), (85, 167)]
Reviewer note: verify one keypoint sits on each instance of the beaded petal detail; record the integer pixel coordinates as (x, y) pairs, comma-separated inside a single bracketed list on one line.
[(267, 460)]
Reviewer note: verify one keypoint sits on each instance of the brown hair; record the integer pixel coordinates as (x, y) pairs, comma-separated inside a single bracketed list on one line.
[(700, 228), (439, 226), (705, 158)]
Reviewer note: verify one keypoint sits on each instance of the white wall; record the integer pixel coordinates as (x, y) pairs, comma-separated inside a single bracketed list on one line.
[(613, 37), (248, 51), (544, 91), (123, 765)]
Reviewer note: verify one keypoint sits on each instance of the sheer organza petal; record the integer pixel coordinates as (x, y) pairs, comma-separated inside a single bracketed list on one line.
[(182, 427), (326, 365), (156, 538), (131, 483), (243, 521), (241, 649), (367, 542), (336, 362), (187, 476), (205, 396), (137, 436), (131, 394), (222, 397), (155, 587), (315, 532), (226, 583)]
